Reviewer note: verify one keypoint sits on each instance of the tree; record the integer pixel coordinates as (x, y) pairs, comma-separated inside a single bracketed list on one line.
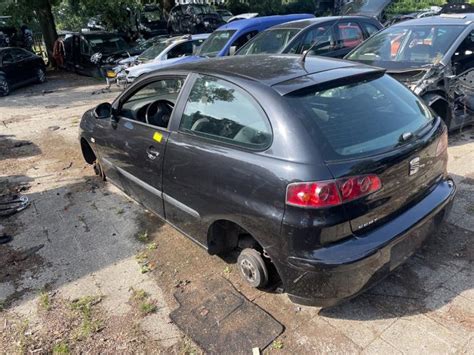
[(41, 10)]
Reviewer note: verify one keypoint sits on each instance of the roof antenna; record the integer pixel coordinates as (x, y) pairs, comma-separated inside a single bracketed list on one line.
[(305, 53)]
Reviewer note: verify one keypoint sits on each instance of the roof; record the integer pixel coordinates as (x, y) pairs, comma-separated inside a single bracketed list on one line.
[(300, 24), (455, 19), (241, 24), (267, 69)]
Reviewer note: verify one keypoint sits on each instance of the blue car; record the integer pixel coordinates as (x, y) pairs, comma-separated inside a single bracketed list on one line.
[(227, 39)]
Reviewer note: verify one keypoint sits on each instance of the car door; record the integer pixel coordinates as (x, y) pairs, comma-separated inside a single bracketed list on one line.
[(21, 62), (10, 68), (132, 146)]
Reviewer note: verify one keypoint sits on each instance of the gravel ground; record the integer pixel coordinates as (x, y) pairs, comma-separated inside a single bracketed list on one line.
[(90, 271)]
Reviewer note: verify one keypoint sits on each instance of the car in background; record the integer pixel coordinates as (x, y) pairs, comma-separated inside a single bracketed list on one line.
[(328, 36), (139, 48), (434, 57), (164, 53), (193, 18), (326, 173), (19, 67), (457, 8), (93, 53), (245, 16), (225, 14), (229, 38), (151, 21)]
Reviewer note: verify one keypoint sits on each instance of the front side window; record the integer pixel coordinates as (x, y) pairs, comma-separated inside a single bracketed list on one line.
[(7, 59), (181, 50), (371, 29), (463, 58), (407, 46), (221, 111), (215, 42), (350, 34), (320, 39), (362, 118), (271, 41), (154, 102)]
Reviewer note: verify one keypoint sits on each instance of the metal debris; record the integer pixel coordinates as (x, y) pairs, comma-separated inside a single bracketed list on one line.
[(12, 204)]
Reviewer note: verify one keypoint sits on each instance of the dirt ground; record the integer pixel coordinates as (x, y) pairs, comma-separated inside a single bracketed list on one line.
[(89, 270)]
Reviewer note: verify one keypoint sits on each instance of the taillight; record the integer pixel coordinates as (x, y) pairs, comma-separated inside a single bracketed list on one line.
[(331, 193), (442, 144)]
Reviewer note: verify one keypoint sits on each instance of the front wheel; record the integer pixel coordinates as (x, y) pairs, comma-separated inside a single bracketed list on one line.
[(4, 87), (252, 268)]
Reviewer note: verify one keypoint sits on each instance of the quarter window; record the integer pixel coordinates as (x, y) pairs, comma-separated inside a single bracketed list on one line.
[(320, 39), (219, 110)]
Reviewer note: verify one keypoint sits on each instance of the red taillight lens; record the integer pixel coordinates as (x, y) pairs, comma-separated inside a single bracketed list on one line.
[(442, 144), (331, 193)]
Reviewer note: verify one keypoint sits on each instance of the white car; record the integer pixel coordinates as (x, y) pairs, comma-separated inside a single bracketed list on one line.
[(162, 54)]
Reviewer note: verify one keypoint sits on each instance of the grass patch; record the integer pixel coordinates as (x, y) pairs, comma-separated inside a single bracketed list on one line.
[(147, 308), (143, 236), (83, 306), (61, 348), (139, 295), (22, 337), (147, 267), (44, 300), (187, 347), (141, 257)]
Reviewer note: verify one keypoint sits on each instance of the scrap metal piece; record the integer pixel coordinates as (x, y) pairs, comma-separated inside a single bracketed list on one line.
[(12, 204)]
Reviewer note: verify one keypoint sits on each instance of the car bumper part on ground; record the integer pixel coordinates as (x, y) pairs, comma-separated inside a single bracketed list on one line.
[(343, 270)]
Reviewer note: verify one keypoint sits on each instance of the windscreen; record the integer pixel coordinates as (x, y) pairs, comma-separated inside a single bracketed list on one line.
[(407, 46), (271, 41), (362, 118), (108, 45), (214, 44), (153, 52)]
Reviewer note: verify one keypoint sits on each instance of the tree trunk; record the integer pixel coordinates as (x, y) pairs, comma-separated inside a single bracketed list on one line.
[(48, 26)]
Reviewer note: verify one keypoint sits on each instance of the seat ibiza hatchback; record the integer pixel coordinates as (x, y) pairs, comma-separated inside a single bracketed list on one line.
[(325, 172)]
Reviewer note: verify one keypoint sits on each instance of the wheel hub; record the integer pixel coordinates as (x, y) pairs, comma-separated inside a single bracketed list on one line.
[(248, 270)]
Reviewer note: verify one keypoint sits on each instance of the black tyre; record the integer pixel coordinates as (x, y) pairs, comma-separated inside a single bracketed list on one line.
[(252, 268), (4, 87), (40, 75)]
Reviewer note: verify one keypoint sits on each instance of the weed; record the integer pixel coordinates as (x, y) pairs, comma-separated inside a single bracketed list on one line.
[(187, 347), (227, 270), (120, 211), (23, 339), (143, 236), (147, 308), (147, 267), (139, 295), (277, 344), (84, 306), (2, 306), (152, 246), (142, 257), (61, 348), (44, 301)]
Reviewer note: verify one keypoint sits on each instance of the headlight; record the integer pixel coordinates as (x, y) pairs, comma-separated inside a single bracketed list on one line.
[(111, 74)]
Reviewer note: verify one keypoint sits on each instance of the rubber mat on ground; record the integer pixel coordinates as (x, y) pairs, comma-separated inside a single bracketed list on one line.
[(221, 320)]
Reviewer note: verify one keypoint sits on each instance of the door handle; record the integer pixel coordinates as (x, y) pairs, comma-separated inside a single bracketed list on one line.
[(152, 153)]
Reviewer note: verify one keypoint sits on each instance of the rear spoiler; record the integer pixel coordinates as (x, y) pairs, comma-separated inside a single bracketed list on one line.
[(328, 79)]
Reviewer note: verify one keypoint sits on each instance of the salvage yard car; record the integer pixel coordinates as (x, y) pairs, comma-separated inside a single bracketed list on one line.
[(434, 57), (328, 36), (19, 67), (326, 172), (193, 18)]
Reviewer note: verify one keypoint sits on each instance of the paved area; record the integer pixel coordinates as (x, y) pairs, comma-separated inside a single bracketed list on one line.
[(90, 270)]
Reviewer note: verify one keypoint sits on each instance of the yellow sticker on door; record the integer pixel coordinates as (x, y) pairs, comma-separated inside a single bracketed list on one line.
[(157, 137)]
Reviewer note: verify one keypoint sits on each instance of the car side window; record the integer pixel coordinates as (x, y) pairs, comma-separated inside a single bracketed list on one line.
[(154, 102), (370, 28), (350, 35), (319, 38), (463, 58), (219, 110), (181, 50), (85, 48), (7, 59), (239, 42)]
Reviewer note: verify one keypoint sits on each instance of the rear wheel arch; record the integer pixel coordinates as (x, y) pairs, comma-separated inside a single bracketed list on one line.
[(87, 152)]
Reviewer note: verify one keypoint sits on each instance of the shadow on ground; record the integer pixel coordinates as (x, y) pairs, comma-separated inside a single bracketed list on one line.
[(11, 148)]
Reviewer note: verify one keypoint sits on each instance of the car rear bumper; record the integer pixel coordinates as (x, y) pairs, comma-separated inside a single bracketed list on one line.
[(345, 269)]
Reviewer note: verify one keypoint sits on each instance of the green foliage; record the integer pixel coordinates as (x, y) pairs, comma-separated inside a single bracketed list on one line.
[(61, 348), (408, 6)]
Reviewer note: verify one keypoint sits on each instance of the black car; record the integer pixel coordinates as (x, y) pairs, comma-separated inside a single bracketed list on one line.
[(93, 53), (151, 21), (19, 67), (328, 36), (193, 18), (328, 172), (434, 57)]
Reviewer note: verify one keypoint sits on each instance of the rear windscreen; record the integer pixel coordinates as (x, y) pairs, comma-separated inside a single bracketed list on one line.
[(362, 118)]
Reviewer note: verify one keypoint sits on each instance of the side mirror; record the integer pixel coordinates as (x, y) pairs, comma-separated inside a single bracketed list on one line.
[(232, 50), (103, 110)]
